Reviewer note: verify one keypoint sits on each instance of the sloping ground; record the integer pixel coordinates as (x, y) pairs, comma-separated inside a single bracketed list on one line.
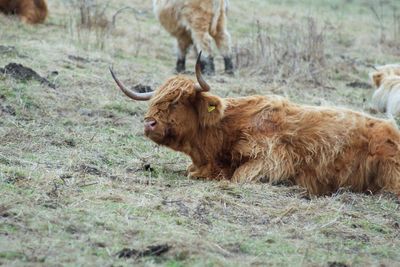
[(80, 185)]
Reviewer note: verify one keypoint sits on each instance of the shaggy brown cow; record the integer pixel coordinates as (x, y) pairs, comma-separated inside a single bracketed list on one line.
[(30, 11), (198, 22), (268, 138)]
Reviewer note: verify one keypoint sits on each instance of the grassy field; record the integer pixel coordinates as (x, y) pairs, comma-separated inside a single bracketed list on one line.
[(79, 182)]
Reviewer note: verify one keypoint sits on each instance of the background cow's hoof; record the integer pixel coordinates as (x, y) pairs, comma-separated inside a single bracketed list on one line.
[(180, 65), (185, 72), (228, 66), (229, 72), (207, 66)]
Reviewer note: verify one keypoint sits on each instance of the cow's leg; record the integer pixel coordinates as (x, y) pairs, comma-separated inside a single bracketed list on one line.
[(206, 171), (251, 171), (184, 41), (385, 164), (389, 176), (203, 39), (223, 42)]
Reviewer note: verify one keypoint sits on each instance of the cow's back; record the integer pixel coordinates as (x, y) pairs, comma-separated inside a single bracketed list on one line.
[(319, 148), (334, 148)]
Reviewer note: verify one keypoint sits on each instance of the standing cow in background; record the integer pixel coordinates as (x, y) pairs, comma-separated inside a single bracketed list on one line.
[(30, 11), (268, 138), (197, 22)]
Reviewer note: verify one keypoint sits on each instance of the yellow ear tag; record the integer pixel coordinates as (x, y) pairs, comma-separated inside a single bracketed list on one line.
[(211, 108)]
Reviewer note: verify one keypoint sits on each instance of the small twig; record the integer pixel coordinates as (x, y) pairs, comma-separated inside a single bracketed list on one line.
[(88, 184), (119, 11), (286, 212), (171, 201)]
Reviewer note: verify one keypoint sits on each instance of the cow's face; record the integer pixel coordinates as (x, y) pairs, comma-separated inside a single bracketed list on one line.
[(171, 115), (383, 72), (178, 109), (377, 78)]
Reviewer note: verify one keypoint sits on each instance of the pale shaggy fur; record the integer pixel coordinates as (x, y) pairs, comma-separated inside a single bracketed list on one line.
[(268, 138), (195, 22), (387, 96), (384, 71)]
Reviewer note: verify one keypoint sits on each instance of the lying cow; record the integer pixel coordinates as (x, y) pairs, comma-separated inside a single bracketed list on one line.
[(30, 11), (382, 72), (387, 96), (268, 138), (198, 22)]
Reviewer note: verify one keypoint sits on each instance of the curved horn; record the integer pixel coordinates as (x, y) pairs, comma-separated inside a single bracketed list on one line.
[(202, 86), (130, 93)]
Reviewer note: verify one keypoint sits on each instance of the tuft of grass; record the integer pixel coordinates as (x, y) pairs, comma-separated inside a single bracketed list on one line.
[(388, 24), (296, 52)]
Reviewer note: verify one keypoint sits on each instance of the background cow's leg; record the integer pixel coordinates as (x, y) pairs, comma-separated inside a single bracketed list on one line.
[(203, 39), (184, 41), (33, 11), (223, 42)]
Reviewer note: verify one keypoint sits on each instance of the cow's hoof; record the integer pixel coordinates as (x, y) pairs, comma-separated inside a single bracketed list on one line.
[(263, 179), (194, 176), (229, 72)]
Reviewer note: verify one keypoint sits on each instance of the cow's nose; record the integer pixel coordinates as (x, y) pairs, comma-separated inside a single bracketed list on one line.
[(150, 125)]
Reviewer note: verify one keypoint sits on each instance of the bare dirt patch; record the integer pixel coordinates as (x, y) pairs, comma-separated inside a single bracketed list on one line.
[(22, 73), (359, 84), (142, 88), (153, 250)]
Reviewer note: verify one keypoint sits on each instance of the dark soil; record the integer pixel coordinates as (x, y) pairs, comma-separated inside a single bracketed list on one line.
[(7, 109), (7, 49), (89, 169), (156, 250), (336, 264), (140, 88), (359, 84), (22, 73), (78, 59)]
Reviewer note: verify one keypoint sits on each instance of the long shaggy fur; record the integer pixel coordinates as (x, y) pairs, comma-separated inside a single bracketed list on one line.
[(268, 138), (30, 11), (387, 96), (195, 22)]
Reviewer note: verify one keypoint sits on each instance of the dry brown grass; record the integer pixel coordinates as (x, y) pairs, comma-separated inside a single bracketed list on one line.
[(296, 52), (389, 25)]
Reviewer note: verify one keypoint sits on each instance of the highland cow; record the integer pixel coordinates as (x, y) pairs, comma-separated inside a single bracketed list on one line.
[(270, 139), (382, 72), (30, 11), (387, 96), (197, 22)]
